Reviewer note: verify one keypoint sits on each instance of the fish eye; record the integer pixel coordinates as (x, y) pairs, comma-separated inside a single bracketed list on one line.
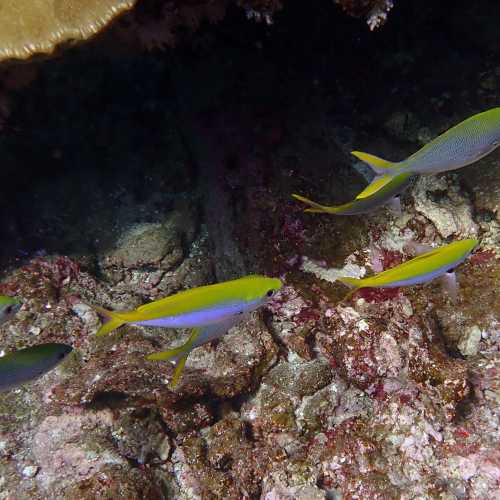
[(270, 293), (8, 309)]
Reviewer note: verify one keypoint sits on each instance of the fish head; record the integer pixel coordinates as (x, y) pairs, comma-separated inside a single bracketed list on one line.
[(455, 253), (260, 288), (467, 246), (56, 352), (8, 307), (61, 350)]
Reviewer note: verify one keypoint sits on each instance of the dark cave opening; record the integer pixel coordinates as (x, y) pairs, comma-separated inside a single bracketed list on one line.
[(102, 139)]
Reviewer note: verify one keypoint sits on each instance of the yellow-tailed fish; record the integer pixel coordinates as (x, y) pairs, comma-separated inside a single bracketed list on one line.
[(25, 365), (439, 262), (383, 192), (8, 307), (210, 310), (459, 146)]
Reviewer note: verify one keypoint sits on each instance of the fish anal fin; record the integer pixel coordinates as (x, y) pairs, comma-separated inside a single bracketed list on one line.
[(177, 355), (179, 368), (171, 354)]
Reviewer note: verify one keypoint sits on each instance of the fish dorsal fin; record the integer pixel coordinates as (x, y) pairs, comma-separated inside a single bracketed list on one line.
[(378, 182)]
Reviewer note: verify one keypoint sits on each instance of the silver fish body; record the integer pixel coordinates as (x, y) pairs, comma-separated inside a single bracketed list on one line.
[(204, 317), (462, 145)]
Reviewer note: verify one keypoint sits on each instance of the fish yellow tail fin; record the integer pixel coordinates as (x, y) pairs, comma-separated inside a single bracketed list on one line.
[(111, 320), (316, 208), (379, 165), (353, 282)]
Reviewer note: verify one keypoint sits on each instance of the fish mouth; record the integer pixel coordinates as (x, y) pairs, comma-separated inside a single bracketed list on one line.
[(66, 349), (473, 244)]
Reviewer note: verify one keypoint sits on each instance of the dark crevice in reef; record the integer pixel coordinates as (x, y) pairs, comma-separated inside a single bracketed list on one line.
[(465, 407), (109, 399), (282, 348)]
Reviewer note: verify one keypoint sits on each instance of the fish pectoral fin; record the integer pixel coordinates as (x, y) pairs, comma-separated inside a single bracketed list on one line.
[(450, 285), (395, 205), (416, 248), (349, 295)]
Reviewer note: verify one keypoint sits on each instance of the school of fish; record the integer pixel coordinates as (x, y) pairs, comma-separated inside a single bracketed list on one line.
[(210, 311)]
